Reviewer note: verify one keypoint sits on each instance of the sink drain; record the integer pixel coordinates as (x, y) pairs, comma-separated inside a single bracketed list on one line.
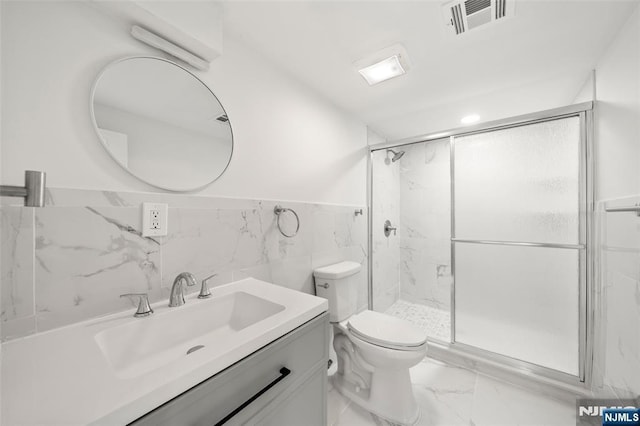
[(195, 348)]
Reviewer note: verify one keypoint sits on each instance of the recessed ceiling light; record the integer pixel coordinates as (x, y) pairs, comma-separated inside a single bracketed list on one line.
[(469, 119), (383, 70)]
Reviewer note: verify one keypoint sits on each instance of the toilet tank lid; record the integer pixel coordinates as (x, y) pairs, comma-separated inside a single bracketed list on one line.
[(337, 270)]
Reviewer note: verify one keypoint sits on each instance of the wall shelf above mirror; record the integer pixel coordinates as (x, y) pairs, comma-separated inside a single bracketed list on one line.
[(161, 123)]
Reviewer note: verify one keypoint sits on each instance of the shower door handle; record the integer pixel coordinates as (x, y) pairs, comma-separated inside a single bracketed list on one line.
[(388, 228)]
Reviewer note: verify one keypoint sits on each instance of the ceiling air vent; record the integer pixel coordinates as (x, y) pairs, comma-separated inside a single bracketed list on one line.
[(462, 16), (223, 118)]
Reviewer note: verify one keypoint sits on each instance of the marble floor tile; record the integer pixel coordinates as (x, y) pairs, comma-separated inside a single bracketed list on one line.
[(336, 405), (497, 403), (444, 393), (450, 395), (353, 415)]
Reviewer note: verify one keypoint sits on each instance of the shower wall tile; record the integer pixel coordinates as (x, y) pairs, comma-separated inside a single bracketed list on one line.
[(385, 250), (71, 260), (386, 259), (425, 272), (16, 263), (425, 225), (617, 354)]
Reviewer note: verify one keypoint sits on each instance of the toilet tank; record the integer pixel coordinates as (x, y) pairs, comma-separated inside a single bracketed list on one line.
[(338, 284)]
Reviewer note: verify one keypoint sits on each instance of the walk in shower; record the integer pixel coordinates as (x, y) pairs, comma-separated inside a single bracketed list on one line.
[(480, 236)]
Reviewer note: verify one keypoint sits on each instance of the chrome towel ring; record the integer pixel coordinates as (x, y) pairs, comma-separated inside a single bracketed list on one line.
[(278, 210)]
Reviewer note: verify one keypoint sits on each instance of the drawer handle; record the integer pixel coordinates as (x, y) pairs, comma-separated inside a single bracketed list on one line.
[(284, 372)]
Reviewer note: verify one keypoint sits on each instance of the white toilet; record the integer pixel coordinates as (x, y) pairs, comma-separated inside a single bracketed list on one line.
[(374, 350)]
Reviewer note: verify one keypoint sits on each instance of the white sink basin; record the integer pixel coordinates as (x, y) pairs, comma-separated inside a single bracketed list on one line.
[(111, 370), (146, 344)]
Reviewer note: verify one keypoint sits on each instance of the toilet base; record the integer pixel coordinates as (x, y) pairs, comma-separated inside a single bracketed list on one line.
[(393, 401)]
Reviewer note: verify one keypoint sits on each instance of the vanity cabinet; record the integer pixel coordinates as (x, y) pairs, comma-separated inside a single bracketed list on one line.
[(283, 383)]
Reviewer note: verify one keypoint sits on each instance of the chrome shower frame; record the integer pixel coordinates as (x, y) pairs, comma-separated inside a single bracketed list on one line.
[(491, 362)]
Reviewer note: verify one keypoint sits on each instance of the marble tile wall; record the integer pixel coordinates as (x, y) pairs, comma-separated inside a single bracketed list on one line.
[(425, 224), (385, 250), (617, 343), (71, 260)]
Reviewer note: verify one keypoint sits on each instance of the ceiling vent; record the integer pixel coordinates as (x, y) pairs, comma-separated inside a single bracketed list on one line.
[(462, 16), (223, 118)]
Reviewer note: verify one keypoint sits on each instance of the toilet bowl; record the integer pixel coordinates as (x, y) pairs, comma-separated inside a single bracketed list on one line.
[(374, 350), (383, 349)]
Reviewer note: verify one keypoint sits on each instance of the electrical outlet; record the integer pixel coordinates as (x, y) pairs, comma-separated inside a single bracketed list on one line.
[(154, 219)]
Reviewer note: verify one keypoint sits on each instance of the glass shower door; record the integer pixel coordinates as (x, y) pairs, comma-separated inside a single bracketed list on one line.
[(519, 242)]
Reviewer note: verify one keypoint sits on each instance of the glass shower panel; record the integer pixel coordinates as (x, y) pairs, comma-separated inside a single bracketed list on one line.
[(519, 301), (519, 184)]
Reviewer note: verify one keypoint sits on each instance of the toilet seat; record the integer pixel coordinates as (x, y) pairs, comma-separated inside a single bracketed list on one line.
[(386, 331)]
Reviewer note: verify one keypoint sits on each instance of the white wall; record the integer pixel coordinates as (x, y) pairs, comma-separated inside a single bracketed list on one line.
[(588, 89), (290, 144), (617, 146), (618, 115), (491, 105)]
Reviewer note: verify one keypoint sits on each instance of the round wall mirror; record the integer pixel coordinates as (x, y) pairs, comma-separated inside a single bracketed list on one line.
[(161, 123)]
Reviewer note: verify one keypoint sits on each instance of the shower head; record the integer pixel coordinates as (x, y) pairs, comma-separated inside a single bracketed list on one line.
[(396, 155)]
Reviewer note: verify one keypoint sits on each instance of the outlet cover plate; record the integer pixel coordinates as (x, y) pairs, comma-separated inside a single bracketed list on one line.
[(154, 219)]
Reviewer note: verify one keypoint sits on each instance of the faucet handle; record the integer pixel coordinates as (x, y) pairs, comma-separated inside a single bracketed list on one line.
[(204, 290), (144, 309)]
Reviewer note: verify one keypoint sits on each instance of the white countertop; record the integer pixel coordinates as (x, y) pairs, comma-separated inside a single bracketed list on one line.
[(61, 377)]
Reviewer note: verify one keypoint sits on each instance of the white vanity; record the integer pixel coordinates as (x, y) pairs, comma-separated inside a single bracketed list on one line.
[(253, 353), (283, 383)]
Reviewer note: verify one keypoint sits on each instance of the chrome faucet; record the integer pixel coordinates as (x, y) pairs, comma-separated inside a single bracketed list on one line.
[(177, 293)]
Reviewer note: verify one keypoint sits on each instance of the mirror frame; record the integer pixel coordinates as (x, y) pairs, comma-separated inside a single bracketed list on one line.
[(104, 145)]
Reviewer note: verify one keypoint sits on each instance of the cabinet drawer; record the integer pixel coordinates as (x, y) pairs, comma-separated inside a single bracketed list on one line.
[(300, 351), (305, 406)]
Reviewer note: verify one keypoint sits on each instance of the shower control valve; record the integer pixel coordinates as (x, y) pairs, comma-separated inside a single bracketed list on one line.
[(388, 228)]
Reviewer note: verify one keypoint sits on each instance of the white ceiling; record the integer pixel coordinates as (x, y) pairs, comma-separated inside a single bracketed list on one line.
[(317, 42)]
